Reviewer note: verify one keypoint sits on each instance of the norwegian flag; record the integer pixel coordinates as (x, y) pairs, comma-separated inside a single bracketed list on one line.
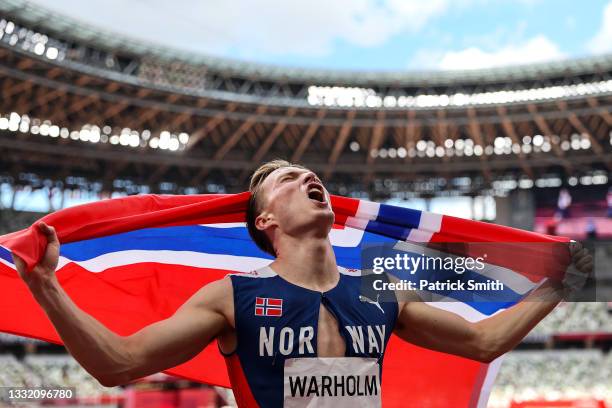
[(132, 261), (268, 307)]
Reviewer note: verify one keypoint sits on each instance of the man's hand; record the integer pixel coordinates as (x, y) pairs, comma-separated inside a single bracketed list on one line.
[(582, 260), (45, 269), (580, 268)]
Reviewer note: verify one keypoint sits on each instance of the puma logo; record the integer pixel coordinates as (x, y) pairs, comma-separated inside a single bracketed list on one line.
[(370, 301)]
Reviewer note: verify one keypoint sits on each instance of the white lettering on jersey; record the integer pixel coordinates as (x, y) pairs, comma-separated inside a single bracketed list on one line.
[(272, 341), (374, 342), (284, 340), (380, 328), (357, 335), (306, 336), (266, 340)]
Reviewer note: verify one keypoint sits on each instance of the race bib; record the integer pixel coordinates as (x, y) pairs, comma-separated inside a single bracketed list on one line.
[(332, 382)]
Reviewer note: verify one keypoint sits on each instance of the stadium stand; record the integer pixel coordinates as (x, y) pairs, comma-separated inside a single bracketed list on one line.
[(64, 371), (555, 374), (202, 123), (42, 370), (61, 370), (575, 317), (15, 374)]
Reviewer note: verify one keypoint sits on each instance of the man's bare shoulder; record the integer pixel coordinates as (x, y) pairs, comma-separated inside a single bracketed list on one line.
[(219, 287), (217, 296)]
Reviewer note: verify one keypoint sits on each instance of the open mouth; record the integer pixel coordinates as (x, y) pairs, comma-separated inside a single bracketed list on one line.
[(316, 194)]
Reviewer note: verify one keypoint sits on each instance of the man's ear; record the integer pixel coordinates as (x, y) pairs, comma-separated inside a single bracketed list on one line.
[(263, 221)]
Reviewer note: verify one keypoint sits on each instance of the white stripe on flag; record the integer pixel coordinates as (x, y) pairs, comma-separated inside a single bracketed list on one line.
[(350, 272), (185, 258), (225, 225), (347, 237), (367, 209), (267, 271), (7, 263), (472, 315), (429, 224), (354, 227), (489, 381), (464, 310), (10, 265)]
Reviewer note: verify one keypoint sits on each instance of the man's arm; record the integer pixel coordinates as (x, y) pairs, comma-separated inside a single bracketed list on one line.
[(440, 330), (113, 359)]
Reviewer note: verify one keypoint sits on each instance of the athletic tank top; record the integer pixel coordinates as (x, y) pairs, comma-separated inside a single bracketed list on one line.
[(275, 363)]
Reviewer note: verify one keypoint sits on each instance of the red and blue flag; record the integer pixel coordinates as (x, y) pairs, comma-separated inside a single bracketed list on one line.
[(132, 261)]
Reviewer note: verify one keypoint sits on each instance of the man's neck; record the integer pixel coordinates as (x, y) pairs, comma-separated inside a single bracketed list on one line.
[(309, 262)]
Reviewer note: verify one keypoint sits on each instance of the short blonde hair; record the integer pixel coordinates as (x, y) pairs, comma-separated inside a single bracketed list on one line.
[(254, 206)]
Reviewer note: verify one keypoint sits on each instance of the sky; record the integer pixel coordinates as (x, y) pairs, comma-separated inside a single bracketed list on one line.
[(362, 34)]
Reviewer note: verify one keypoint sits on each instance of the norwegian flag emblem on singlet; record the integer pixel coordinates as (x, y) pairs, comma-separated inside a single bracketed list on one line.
[(268, 306)]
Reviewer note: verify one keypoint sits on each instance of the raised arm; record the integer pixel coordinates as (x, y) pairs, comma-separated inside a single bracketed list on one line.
[(113, 359), (440, 330)]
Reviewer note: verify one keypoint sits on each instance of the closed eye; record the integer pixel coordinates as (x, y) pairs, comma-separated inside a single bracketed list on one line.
[(288, 176)]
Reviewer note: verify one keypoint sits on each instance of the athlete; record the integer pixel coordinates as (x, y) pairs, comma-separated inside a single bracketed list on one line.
[(295, 333)]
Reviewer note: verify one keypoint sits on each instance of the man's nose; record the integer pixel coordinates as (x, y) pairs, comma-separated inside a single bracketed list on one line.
[(310, 176)]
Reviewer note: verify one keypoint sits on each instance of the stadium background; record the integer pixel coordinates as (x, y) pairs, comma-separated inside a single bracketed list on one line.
[(85, 115)]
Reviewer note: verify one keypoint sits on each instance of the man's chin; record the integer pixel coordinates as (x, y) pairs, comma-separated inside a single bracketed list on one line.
[(321, 218), (326, 217)]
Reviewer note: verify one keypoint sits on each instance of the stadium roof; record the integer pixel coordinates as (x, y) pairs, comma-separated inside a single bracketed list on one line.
[(106, 39)]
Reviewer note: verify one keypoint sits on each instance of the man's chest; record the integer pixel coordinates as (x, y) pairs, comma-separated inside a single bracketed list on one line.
[(324, 333), (278, 320)]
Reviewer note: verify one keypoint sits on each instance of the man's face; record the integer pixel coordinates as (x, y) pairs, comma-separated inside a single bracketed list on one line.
[(295, 200)]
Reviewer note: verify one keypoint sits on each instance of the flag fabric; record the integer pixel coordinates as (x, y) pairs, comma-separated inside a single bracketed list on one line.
[(132, 261)]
